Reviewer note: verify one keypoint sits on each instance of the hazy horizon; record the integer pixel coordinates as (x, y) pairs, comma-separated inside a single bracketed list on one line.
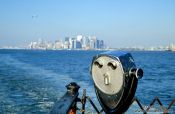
[(119, 23)]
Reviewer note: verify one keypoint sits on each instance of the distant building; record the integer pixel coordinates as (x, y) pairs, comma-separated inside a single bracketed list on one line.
[(79, 38), (58, 44), (85, 42), (172, 47), (74, 43), (78, 45), (98, 44), (66, 39), (91, 44), (101, 44), (41, 44), (38, 45), (66, 45), (70, 43), (33, 45), (49, 45)]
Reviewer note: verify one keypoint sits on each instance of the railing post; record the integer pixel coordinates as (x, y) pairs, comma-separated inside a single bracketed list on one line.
[(67, 103), (83, 101)]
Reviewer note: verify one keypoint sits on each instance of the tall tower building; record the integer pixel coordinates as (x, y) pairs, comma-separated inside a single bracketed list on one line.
[(66, 43), (73, 43), (85, 42), (79, 38)]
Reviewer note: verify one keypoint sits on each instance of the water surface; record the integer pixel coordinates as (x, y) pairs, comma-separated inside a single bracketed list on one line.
[(32, 80)]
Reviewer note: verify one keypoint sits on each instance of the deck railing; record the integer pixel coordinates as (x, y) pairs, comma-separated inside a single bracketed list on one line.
[(68, 103)]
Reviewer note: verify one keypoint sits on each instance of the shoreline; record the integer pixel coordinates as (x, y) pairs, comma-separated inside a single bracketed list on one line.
[(82, 49)]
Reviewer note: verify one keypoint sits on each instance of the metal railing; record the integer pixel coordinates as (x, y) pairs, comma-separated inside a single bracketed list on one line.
[(165, 110), (68, 103)]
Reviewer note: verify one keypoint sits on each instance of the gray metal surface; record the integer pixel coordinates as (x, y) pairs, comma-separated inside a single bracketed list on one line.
[(107, 79), (115, 79)]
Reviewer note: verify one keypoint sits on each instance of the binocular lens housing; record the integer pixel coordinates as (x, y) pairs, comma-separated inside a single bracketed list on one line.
[(115, 77)]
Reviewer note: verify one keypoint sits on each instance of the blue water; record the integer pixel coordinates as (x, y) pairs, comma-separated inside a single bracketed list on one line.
[(31, 81)]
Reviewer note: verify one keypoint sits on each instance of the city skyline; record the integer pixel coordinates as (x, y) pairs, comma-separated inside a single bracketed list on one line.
[(80, 42), (137, 23)]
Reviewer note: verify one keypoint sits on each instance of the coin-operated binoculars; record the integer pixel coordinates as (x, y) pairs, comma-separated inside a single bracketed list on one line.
[(115, 77)]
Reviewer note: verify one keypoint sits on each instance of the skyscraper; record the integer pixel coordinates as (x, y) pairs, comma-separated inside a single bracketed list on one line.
[(79, 38), (73, 43), (85, 42), (91, 44), (78, 45), (66, 43), (101, 44)]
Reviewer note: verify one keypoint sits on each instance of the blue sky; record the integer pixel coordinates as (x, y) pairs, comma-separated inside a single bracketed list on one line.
[(119, 23)]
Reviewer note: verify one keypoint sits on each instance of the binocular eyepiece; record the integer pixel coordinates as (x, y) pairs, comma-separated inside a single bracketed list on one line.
[(115, 77), (137, 72)]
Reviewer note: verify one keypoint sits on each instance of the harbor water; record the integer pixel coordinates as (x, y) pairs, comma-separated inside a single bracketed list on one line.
[(32, 80)]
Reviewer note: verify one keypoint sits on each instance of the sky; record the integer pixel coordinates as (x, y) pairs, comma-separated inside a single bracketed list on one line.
[(120, 23)]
